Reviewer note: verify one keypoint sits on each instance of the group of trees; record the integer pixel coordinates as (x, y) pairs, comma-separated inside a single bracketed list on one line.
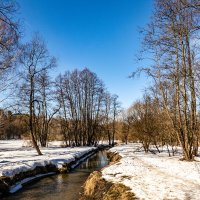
[(169, 113), (87, 110), (147, 122), (75, 104)]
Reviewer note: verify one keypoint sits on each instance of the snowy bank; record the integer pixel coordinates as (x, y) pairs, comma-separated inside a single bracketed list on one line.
[(17, 161), (154, 176)]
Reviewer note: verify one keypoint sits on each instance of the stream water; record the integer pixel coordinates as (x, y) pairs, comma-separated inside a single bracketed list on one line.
[(61, 186)]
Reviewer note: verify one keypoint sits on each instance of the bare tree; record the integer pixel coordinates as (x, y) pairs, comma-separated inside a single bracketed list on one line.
[(48, 108), (9, 36), (81, 95), (35, 59), (115, 107), (169, 41), (107, 116)]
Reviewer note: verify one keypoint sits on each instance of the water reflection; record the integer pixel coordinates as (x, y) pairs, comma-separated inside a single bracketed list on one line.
[(62, 186)]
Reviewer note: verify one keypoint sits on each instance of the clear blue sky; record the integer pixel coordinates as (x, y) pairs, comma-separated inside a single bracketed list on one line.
[(99, 34)]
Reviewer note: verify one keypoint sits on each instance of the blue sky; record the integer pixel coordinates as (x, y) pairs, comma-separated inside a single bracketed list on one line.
[(99, 34)]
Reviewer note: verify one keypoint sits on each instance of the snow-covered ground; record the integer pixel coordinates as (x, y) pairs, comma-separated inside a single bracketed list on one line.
[(155, 176), (16, 156)]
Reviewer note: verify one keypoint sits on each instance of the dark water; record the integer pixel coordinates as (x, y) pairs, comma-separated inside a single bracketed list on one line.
[(62, 186)]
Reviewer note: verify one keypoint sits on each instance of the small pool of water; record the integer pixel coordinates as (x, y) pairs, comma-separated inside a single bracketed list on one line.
[(62, 186)]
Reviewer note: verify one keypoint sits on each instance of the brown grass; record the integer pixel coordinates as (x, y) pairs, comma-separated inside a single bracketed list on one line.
[(96, 188), (113, 157), (119, 192)]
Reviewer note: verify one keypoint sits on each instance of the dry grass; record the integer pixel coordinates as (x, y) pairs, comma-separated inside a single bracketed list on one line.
[(96, 188), (119, 192), (113, 157)]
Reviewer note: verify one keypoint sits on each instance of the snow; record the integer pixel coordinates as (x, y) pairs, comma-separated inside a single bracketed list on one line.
[(154, 176), (16, 156)]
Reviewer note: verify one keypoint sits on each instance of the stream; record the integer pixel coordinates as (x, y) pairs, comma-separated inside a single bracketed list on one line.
[(62, 186)]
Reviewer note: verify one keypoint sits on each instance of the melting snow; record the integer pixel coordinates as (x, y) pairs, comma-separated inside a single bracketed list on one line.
[(16, 157), (155, 176)]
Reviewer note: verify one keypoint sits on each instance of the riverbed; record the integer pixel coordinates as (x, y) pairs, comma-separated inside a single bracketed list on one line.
[(62, 186)]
